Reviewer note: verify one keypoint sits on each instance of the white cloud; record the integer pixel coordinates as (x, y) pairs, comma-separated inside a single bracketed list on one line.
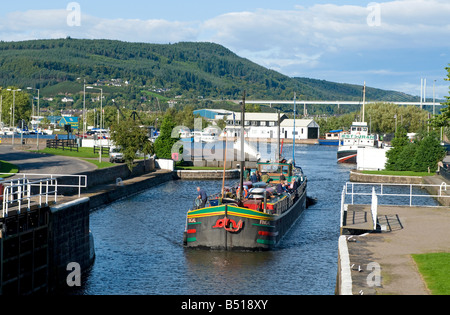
[(301, 41)]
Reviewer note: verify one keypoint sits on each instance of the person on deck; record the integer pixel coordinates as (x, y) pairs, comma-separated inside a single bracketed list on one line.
[(202, 197), (253, 178), (293, 186)]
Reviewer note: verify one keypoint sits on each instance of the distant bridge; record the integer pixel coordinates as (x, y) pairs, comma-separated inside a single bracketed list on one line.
[(300, 102)]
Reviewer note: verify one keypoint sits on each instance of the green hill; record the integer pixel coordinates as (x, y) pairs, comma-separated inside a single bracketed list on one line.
[(193, 70)]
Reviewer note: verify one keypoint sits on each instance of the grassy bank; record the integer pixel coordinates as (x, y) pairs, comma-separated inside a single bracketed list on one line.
[(86, 154), (435, 269), (398, 173), (6, 167)]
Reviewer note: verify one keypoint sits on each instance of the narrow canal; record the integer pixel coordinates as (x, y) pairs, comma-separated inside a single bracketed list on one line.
[(139, 248)]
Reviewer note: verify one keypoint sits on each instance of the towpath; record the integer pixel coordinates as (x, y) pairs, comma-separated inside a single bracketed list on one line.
[(43, 163)]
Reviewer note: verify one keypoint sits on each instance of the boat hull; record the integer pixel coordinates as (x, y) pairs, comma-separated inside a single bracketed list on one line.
[(347, 156), (228, 227), (328, 142)]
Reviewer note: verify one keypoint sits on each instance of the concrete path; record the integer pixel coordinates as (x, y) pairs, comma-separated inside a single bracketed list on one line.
[(417, 230), (43, 163)]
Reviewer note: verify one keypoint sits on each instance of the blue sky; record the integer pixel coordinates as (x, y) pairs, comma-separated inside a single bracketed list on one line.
[(389, 44)]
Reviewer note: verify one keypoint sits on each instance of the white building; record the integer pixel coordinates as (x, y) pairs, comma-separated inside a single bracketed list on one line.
[(372, 159), (257, 125), (304, 129)]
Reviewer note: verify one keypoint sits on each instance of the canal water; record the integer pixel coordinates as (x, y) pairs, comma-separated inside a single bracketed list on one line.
[(139, 243)]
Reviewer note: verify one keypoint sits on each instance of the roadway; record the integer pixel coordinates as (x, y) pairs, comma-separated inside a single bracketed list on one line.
[(34, 163)]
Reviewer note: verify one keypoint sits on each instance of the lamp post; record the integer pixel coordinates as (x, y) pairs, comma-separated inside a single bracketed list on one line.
[(101, 103), (101, 119), (38, 117), (14, 105)]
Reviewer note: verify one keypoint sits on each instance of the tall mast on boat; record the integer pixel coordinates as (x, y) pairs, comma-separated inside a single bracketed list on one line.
[(364, 102), (241, 190), (278, 157), (295, 114)]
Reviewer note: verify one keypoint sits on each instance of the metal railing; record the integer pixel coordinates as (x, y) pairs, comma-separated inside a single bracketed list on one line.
[(381, 190), (19, 193), (79, 181), (23, 190)]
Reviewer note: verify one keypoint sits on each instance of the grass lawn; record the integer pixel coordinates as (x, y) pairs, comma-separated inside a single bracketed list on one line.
[(86, 154), (435, 269), (6, 167), (82, 152), (397, 173)]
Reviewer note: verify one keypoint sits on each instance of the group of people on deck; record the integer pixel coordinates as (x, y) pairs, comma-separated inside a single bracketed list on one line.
[(254, 177), (285, 186)]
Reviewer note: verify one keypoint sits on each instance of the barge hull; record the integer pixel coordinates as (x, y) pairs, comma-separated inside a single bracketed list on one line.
[(229, 227)]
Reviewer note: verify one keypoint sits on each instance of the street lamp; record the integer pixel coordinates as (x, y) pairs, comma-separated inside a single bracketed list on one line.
[(101, 103), (38, 117), (14, 105), (38, 110), (101, 119)]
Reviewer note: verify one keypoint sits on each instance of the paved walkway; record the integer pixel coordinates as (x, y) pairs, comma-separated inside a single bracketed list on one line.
[(417, 230), (43, 163)]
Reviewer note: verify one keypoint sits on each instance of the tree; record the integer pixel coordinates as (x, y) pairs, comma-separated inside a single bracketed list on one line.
[(429, 152), (22, 106), (394, 155), (443, 119), (165, 142), (131, 138), (421, 155)]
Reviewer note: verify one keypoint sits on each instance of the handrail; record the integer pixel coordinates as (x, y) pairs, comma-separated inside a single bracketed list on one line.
[(17, 191), (82, 179), (349, 189)]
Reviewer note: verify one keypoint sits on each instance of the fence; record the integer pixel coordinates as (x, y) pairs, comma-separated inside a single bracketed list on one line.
[(105, 149), (19, 193), (64, 144), (360, 189), (64, 181)]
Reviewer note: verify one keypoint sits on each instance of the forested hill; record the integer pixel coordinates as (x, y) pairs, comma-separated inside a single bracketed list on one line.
[(190, 69)]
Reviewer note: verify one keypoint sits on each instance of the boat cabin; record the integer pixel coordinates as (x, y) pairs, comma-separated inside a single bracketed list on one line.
[(275, 169)]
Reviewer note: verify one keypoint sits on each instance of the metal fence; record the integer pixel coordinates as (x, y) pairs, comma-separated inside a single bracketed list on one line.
[(410, 191), (23, 191)]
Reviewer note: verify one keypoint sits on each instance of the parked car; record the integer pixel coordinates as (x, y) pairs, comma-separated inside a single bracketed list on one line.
[(115, 155)]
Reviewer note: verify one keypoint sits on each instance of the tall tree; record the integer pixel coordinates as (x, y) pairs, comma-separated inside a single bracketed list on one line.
[(131, 138), (443, 119), (165, 141)]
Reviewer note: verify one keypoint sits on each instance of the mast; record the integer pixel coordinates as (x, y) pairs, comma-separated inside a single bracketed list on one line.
[(241, 190), (279, 138), (295, 114), (364, 101)]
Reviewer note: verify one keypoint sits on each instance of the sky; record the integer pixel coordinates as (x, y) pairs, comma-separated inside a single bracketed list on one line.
[(387, 44)]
